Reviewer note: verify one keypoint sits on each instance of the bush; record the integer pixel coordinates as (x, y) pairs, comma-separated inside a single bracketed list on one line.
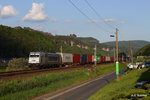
[(140, 60), (44, 80), (148, 86), (17, 64), (3, 66)]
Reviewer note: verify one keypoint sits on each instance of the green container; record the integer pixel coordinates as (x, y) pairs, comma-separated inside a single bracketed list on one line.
[(98, 59)]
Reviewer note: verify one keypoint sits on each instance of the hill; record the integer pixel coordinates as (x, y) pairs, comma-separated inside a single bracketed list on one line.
[(124, 45), (145, 51), (19, 42)]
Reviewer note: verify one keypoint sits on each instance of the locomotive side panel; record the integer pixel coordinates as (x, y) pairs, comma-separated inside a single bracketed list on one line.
[(53, 59)]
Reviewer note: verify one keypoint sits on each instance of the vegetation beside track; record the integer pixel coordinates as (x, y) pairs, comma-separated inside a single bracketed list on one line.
[(17, 64), (3, 67), (28, 88), (125, 88)]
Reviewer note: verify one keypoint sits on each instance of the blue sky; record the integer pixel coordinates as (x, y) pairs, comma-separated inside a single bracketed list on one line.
[(60, 17)]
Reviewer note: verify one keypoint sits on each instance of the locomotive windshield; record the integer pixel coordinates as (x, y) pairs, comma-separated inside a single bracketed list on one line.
[(34, 55)]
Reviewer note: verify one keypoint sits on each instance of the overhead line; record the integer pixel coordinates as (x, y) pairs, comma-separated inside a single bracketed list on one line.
[(98, 14), (87, 16)]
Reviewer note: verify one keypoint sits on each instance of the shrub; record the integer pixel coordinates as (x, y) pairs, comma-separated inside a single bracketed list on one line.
[(17, 64), (148, 86), (140, 60), (44, 80), (3, 66)]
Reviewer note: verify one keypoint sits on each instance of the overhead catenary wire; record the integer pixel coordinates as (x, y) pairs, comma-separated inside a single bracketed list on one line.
[(98, 14), (88, 17)]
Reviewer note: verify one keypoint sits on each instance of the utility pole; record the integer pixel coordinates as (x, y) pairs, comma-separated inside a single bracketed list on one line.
[(95, 56), (122, 58), (132, 55), (114, 56), (129, 51), (117, 44), (117, 63)]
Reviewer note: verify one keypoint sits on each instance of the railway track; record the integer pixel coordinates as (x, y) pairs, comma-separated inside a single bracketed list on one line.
[(13, 73), (7, 76)]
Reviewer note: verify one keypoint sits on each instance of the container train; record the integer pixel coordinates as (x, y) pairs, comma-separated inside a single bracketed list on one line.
[(43, 59)]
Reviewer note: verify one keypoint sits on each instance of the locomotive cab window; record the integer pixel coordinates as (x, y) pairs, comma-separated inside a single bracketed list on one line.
[(34, 55)]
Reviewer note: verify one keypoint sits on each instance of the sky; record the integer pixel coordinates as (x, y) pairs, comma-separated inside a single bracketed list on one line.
[(85, 18)]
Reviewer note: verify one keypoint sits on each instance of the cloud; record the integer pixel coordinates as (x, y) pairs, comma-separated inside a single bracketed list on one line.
[(36, 13), (55, 31), (121, 22), (109, 20), (39, 27), (8, 11), (93, 21), (53, 19), (68, 21)]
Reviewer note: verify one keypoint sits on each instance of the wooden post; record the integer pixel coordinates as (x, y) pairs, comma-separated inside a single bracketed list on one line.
[(95, 58), (117, 62)]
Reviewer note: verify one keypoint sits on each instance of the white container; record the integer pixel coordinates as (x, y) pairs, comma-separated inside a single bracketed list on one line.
[(107, 58), (66, 57)]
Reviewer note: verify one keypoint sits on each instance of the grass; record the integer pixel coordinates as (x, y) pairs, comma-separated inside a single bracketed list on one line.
[(28, 88), (125, 86), (2, 70), (3, 67)]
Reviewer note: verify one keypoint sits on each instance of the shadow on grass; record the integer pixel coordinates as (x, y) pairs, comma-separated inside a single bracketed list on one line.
[(145, 76)]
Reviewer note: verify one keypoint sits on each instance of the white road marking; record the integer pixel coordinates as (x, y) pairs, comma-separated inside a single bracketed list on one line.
[(59, 94)]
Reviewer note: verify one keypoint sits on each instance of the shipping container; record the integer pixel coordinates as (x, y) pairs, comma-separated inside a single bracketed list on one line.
[(101, 59), (98, 59), (107, 59), (120, 59), (89, 58), (112, 59), (104, 58), (83, 59), (67, 58), (76, 58)]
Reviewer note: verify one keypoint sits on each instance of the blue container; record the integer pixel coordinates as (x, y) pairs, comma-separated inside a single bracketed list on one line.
[(83, 59)]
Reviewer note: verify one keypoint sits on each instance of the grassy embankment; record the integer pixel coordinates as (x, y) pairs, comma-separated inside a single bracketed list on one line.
[(22, 89), (3, 67), (125, 88)]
